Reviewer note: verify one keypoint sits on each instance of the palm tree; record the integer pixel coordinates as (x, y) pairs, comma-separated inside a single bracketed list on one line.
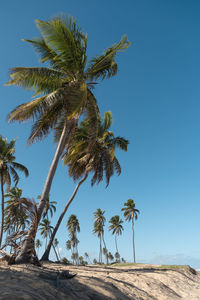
[(74, 227), (98, 230), (110, 256), (116, 227), (131, 213), (65, 92), (99, 224), (8, 169), (50, 207), (16, 216), (82, 160), (45, 229), (38, 244), (56, 242)]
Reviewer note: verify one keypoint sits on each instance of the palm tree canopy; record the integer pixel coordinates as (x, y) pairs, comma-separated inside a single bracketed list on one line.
[(130, 212), (38, 243), (100, 159), (63, 89), (73, 225), (17, 210), (45, 228), (8, 166), (50, 206), (116, 225)]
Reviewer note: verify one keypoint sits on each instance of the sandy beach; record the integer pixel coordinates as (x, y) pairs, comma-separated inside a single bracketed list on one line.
[(96, 282)]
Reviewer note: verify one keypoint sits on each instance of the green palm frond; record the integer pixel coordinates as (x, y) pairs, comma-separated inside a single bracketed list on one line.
[(21, 168), (14, 174), (46, 53), (104, 66), (41, 80), (64, 37)]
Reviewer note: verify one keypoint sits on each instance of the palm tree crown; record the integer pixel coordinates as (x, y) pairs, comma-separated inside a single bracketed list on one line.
[(64, 87), (101, 158), (116, 225), (130, 212)]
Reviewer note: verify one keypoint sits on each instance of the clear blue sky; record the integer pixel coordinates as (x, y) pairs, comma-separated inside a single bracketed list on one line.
[(155, 100)]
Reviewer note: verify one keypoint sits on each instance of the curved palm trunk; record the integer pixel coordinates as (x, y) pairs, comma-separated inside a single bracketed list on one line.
[(133, 242), (27, 251), (2, 210), (116, 245), (45, 256)]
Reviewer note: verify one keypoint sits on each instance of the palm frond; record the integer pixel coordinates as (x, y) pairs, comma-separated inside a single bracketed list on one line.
[(41, 80), (104, 66)]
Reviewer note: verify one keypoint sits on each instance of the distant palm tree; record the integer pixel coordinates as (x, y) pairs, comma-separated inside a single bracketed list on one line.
[(38, 244), (116, 227), (8, 170), (87, 257), (64, 89), (98, 230), (131, 213), (50, 207), (110, 256), (82, 160), (99, 224), (74, 227), (45, 229), (56, 242)]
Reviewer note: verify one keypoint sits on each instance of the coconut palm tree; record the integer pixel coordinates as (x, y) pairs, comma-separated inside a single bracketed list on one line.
[(82, 160), (50, 207), (8, 169), (110, 256), (131, 213), (98, 230), (99, 224), (56, 242), (116, 227), (38, 244), (74, 227), (63, 92), (45, 229), (16, 215)]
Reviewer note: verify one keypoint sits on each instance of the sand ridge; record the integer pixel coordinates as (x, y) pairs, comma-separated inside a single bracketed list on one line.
[(141, 282)]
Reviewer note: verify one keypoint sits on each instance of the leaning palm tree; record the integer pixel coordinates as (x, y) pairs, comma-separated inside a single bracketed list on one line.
[(100, 160), (55, 243), (116, 227), (131, 213), (8, 169), (63, 92)]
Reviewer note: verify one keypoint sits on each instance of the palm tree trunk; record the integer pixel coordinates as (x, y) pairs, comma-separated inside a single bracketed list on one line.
[(116, 243), (2, 210), (133, 242), (105, 248), (45, 256), (27, 250)]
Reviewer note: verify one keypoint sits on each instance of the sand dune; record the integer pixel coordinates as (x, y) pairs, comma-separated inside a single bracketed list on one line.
[(139, 282)]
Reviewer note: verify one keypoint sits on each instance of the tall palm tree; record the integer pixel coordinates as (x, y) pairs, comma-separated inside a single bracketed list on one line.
[(8, 169), (100, 219), (64, 91), (98, 230), (82, 160), (74, 227), (116, 227), (131, 213)]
